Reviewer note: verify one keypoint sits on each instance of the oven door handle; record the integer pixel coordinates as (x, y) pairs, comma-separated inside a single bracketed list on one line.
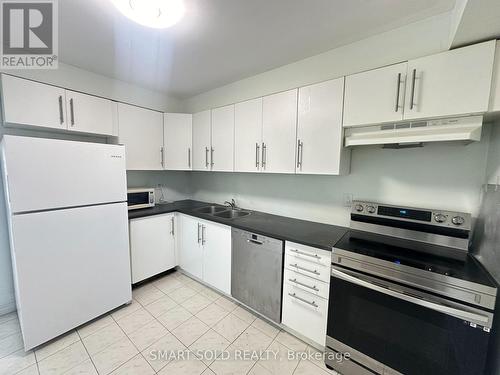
[(472, 317)]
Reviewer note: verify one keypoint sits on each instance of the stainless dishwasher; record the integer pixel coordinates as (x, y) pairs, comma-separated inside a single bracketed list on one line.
[(257, 272)]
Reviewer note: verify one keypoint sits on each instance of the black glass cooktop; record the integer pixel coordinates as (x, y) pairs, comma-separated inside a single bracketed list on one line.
[(385, 248)]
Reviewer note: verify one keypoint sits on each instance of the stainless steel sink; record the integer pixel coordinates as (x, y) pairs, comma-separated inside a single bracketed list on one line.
[(232, 214), (211, 210)]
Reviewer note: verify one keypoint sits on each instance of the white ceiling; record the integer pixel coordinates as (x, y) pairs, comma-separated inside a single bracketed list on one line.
[(221, 41)]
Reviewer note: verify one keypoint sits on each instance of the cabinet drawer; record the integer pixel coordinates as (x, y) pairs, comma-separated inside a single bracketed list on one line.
[(305, 313), (308, 253), (306, 283), (305, 267)]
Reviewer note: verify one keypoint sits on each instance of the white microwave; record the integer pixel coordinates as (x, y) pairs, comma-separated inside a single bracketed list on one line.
[(140, 198)]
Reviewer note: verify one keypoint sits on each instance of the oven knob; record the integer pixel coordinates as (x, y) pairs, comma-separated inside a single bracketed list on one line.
[(458, 220), (358, 208), (440, 218), (370, 209)]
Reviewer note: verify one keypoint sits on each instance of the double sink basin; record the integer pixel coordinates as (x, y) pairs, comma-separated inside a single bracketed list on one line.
[(222, 212)]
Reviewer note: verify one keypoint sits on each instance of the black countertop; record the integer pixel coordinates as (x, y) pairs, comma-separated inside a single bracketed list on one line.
[(308, 233)]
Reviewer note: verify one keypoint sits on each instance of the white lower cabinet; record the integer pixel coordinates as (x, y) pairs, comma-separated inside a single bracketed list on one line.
[(305, 293), (305, 313), (152, 246), (216, 239), (190, 249), (204, 250)]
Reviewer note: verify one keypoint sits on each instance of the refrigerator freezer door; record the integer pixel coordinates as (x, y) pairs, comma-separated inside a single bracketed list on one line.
[(70, 266), (48, 173)]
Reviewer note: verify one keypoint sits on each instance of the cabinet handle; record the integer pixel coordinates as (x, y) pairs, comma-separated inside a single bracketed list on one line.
[(162, 157), (72, 112), (206, 157), (305, 269), (304, 285), (300, 151), (172, 230), (212, 157), (61, 116), (398, 88), (203, 239), (413, 79), (199, 238), (257, 152), (264, 155), (189, 157), (306, 254), (313, 304)]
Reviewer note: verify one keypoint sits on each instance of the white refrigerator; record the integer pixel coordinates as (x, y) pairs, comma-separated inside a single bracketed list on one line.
[(68, 226)]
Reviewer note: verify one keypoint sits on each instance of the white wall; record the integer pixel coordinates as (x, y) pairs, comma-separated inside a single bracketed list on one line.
[(446, 176), (418, 39), (80, 80)]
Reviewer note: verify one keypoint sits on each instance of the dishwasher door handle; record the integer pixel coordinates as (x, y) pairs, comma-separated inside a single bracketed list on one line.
[(255, 242)]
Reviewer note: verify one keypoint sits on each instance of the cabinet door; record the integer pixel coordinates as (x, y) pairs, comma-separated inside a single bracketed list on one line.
[(152, 246), (304, 312), (216, 240), (279, 118), (375, 96), (247, 135), (451, 83), (222, 151), (178, 138), (190, 248), (89, 114), (201, 141), (141, 131), (31, 103), (319, 130)]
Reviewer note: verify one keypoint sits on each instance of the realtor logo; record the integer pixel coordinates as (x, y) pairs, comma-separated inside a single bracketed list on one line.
[(28, 34)]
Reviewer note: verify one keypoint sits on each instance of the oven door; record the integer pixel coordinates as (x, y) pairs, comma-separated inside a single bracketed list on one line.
[(404, 329)]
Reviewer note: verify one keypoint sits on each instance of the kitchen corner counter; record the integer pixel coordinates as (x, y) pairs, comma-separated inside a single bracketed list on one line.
[(323, 236)]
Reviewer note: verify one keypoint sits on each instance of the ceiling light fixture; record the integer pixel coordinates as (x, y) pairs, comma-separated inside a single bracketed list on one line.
[(158, 14)]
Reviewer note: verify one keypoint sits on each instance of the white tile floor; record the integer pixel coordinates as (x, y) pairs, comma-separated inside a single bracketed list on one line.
[(170, 323)]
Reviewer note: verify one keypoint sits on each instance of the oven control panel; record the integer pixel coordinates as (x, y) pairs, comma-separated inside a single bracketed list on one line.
[(458, 220)]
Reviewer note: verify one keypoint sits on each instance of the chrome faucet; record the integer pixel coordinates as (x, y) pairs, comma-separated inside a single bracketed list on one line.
[(231, 204)]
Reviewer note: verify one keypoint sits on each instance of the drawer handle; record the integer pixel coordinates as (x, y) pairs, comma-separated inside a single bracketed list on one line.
[(306, 254), (304, 285), (303, 300), (304, 269)]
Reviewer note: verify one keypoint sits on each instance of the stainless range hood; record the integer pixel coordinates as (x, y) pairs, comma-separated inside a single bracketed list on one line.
[(466, 129)]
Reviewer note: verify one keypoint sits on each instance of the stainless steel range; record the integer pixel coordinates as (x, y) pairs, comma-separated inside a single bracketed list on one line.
[(406, 297)]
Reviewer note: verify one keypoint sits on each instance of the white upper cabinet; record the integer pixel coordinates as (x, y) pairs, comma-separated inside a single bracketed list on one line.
[(178, 138), (201, 141), (31, 103), (279, 123), (89, 114), (248, 135), (495, 82), (141, 131), (375, 96), (222, 140), (319, 129), (455, 82)]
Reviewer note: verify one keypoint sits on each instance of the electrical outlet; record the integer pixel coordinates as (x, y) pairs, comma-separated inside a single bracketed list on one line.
[(348, 198)]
